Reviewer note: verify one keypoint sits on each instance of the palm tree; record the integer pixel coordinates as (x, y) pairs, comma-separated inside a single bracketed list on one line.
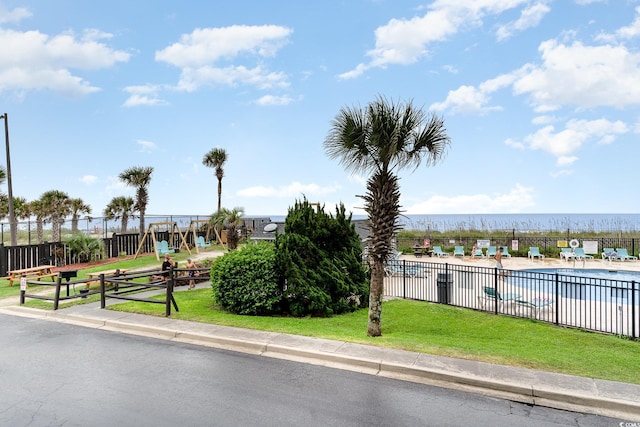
[(37, 209), (121, 208), (378, 140), (78, 207), (139, 177), (229, 220), (57, 206), (216, 159)]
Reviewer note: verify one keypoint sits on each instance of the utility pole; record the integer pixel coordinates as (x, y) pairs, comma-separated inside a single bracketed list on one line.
[(12, 215)]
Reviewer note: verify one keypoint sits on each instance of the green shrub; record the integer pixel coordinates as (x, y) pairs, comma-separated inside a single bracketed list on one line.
[(318, 261), (245, 282), (85, 248)]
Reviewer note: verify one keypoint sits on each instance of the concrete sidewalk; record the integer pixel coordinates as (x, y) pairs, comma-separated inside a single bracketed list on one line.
[(613, 399)]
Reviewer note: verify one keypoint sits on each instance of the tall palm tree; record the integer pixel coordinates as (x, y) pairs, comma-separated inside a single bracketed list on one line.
[(379, 140), (78, 207), (121, 208), (37, 209), (216, 159), (139, 177), (57, 206), (230, 220)]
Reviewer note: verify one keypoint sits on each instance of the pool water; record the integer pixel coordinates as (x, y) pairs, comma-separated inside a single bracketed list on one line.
[(582, 284)]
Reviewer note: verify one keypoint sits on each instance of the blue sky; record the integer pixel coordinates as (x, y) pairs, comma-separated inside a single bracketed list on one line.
[(540, 98)]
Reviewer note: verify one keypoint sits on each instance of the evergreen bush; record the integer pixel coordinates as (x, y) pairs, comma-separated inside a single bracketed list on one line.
[(245, 282), (318, 260)]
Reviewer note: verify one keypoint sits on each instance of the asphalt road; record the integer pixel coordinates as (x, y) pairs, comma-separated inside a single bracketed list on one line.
[(54, 374)]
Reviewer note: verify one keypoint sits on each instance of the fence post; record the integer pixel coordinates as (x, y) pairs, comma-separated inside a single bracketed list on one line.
[(56, 297), (557, 285), (404, 278), (633, 309), (169, 296), (3, 259), (495, 290), (103, 303)]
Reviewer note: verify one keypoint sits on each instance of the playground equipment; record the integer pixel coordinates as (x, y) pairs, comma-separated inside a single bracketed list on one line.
[(151, 230)]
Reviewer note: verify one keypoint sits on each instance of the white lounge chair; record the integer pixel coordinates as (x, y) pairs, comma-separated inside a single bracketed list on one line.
[(566, 254), (623, 255), (534, 252), (437, 251), (458, 251), (581, 256)]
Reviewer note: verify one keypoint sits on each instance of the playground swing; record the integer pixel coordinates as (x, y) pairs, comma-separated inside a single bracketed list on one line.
[(193, 228), (162, 247)]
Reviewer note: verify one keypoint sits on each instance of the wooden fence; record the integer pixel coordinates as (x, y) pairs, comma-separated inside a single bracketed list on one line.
[(56, 253)]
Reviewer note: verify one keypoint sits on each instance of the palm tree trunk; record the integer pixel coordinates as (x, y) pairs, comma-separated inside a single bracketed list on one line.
[(374, 328), (219, 194)]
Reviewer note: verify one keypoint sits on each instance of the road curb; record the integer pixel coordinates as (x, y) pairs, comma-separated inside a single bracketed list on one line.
[(547, 394)]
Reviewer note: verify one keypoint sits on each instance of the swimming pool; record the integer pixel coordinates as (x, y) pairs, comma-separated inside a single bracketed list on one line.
[(619, 287)]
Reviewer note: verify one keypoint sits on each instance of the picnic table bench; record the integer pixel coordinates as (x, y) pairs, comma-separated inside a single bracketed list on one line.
[(39, 272)]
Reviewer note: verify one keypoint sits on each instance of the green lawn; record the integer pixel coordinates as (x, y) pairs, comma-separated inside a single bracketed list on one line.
[(442, 330), (416, 326)]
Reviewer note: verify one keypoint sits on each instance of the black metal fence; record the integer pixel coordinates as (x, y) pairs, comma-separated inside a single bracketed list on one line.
[(566, 297), (548, 245)]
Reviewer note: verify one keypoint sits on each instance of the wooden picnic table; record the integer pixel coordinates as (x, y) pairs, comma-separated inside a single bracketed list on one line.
[(38, 272)]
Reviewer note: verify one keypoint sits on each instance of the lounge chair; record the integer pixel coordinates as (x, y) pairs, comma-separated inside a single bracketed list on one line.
[(396, 266), (610, 254), (491, 295), (535, 306), (534, 252), (623, 255), (505, 252), (580, 255), (201, 243), (566, 254), (491, 251), (163, 248), (478, 253), (437, 251), (458, 251)]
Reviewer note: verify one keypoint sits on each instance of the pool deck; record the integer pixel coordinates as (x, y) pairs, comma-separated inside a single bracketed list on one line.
[(524, 263)]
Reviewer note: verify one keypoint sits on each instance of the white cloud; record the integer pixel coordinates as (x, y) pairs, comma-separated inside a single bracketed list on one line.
[(566, 160), (582, 76), (561, 172), (465, 100), (529, 17), (570, 75), (13, 16), (517, 200), (268, 100), (206, 56), (115, 186), (146, 146), (624, 33), (564, 143), (294, 189), (144, 95), (40, 62), (89, 179), (468, 99), (405, 41)]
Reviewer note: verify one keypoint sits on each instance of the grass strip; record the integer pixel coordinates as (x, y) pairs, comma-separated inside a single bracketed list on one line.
[(440, 330)]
